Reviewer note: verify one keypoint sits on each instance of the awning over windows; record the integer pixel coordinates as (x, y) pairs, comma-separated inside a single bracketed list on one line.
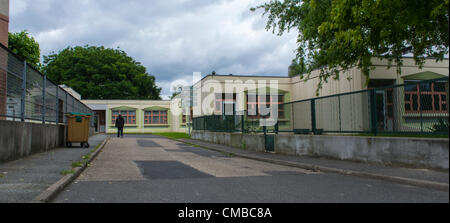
[(426, 75), (267, 90), (123, 108), (156, 108)]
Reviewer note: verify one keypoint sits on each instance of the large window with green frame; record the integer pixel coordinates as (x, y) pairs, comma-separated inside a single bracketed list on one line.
[(256, 103), (155, 117), (429, 97), (129, 116)]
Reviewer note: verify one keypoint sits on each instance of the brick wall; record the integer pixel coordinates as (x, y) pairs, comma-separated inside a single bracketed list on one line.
[(4, 21)]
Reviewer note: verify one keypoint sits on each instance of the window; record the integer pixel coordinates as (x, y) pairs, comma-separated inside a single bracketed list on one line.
[(38, 109), (128, 116), (184, 118), (155, 117), (257, 104), (429, 97), (225, 103)]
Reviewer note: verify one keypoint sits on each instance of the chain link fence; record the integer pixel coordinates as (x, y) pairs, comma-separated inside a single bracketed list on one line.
[(27, 95), (415, 107)]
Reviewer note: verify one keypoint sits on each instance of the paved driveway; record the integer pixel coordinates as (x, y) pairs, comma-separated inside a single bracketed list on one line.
[(155, 169), (23, 179)]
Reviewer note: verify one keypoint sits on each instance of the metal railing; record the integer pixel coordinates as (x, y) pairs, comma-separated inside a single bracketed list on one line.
[(27, 95), (416, 107)]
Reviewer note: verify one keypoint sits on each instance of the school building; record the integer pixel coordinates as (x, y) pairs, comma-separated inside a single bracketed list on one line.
[(234, 94)]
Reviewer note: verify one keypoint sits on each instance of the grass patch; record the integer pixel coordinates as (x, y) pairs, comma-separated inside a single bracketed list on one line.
[(173, 135), (76, 164), (84, 161), (66, 172)]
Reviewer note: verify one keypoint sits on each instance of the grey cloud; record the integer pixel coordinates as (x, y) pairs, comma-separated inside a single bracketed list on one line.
[(171, 38)]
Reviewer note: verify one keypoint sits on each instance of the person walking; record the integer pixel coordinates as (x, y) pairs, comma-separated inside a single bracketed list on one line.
[(120, 122)]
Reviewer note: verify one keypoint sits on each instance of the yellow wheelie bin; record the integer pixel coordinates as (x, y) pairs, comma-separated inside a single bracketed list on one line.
[(78, 129)]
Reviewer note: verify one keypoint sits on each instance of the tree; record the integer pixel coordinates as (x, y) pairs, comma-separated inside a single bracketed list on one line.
[(176, 91), (296, 68), (24, 45), (101, 73), (337, 35)]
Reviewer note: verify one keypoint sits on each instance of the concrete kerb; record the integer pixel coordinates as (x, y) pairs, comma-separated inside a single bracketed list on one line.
[(59, 186), (316, 168)]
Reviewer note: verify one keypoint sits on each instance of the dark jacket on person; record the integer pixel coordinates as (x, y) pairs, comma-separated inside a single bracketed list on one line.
[(120, 122)]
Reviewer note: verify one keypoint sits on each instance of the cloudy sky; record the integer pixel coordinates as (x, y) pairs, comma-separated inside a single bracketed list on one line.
[(171, 38)]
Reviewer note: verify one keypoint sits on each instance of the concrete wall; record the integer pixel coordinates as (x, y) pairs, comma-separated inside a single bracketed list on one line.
[(416, 152), (4, 21), (253, 142), (20, 139)]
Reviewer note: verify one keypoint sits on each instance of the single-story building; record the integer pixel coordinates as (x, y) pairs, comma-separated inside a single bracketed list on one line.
[(398, 108), (141, 116)]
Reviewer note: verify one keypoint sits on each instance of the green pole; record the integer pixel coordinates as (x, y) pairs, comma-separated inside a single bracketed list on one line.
[(313, 115), (420, 108), (373, 111), (242, 122), (339, 108)]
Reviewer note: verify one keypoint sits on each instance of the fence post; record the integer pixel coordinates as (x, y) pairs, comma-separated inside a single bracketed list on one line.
[(339, 108), (57, 105), (419, 102), (24, 90), (276, 127), (242, 121), (292, 117), (43, 98), (313, 115), (373, 111), (66, 104)]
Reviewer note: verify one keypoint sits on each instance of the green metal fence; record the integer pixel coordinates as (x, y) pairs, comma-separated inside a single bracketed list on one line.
[(231, 123), (27, 95), (415, 107), (218, 123)]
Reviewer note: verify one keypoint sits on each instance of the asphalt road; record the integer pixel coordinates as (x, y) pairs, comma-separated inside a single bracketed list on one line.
[(150, 169)]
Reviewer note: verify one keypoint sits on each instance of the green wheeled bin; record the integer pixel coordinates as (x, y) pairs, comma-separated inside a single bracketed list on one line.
[(78, 129)]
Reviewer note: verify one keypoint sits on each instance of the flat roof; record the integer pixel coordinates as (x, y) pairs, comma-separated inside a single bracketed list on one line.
[(239, 75)]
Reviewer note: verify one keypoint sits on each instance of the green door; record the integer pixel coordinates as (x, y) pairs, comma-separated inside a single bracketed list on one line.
[(269, 142)]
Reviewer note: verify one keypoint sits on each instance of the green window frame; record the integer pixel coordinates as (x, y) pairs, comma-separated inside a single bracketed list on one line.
[(155, 117), (129, 116)]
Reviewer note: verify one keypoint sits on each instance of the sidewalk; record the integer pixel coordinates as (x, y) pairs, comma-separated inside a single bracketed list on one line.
[(24, 179), (418, 177)]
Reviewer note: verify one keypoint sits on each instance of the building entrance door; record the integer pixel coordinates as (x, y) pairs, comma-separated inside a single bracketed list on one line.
[(101, 120), (384, 103), (385, 119)]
